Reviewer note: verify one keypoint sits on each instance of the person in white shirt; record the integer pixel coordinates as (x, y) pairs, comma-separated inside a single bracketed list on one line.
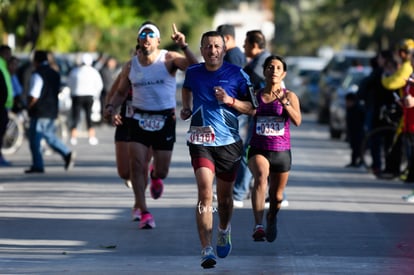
[(85, 83)]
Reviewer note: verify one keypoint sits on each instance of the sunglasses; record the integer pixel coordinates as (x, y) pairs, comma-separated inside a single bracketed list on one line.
[(144, 35)]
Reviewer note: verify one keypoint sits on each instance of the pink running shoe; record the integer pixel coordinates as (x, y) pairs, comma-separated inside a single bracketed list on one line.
[(147, 221), (259, 234), (156, 187), (136, 214)]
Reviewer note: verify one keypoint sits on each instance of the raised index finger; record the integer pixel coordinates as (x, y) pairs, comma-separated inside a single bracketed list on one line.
[(174, 28)]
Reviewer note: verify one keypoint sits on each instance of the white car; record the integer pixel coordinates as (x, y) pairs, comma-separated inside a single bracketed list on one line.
[(337, 109), (303, 78)]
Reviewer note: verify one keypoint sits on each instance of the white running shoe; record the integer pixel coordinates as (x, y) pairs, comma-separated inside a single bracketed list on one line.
[(93, 141), (73, 141), (238, 204), (409, 198)]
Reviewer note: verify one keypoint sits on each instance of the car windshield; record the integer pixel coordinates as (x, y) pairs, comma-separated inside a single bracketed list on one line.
[(353, 78), (341, 62), (350, 79)]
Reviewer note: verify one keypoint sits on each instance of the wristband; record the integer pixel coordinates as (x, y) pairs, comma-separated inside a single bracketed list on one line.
[(109, 105), (183, 48), (231, 104)]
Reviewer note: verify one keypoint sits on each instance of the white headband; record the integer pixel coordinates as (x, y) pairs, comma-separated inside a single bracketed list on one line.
[(151, 27)]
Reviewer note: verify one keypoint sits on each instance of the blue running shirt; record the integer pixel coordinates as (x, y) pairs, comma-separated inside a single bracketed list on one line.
[(207, 111)]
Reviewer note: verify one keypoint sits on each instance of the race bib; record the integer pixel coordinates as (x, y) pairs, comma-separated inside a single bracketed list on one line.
[(149, 122), (129, 110), (270, 126), (201, 135)]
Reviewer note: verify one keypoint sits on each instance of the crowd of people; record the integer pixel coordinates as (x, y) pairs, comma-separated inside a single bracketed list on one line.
[(387, 90), (239, 113), (26, 89), (385, 97)]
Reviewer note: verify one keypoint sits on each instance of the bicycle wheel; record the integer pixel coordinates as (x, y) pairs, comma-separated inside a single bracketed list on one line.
[(376, 147), (13, 138)]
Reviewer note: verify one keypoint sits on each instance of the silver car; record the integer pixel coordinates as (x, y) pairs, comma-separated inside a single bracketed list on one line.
[(337, 109)]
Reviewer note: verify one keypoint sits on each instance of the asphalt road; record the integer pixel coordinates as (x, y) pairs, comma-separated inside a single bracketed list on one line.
[(339, 220)]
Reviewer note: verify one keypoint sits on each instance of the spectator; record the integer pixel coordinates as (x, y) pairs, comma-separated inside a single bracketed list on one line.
[(377, 102), (407, 125), (355, 117), (398, 81), (233, 53), (255, 50), (109, 73), (43, 110), (235, 56), (85, 85), (6, 96), (18, 102)]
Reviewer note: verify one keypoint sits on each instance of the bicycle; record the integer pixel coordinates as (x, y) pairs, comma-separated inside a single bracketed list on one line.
[(381, 141), (14, 136), (17, 129)]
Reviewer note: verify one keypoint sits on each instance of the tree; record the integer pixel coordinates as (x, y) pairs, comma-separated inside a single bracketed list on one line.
[(303, 26), (108, 26)]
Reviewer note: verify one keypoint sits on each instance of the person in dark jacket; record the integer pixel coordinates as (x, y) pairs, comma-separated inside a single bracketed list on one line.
[(354, 127), (43, 110)]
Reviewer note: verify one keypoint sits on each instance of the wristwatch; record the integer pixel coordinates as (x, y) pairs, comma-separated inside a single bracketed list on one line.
[(287, 103)]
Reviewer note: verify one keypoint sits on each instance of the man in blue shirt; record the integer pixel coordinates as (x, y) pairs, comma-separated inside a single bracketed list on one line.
[(214, 93)]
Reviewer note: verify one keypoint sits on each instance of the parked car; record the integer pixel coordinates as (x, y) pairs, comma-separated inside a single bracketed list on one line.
[(333, 75), (303, 78), (337, 108)]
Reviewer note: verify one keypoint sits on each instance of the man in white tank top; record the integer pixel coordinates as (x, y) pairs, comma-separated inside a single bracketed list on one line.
[(151, 76)]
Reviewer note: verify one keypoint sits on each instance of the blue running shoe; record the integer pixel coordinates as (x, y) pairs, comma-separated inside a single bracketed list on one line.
[(223, 243), (208, 259)]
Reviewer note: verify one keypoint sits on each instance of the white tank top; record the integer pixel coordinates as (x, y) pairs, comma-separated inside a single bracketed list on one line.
[(153, 87)]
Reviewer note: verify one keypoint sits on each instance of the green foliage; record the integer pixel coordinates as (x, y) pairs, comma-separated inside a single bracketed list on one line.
[(85, 21), (303, 26), (110, 26)]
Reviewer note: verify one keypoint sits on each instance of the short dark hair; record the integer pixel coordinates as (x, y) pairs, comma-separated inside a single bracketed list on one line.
[(226, 29), (212, 34), (256, 36), (5, 50), (40, 56), (269, 59)]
